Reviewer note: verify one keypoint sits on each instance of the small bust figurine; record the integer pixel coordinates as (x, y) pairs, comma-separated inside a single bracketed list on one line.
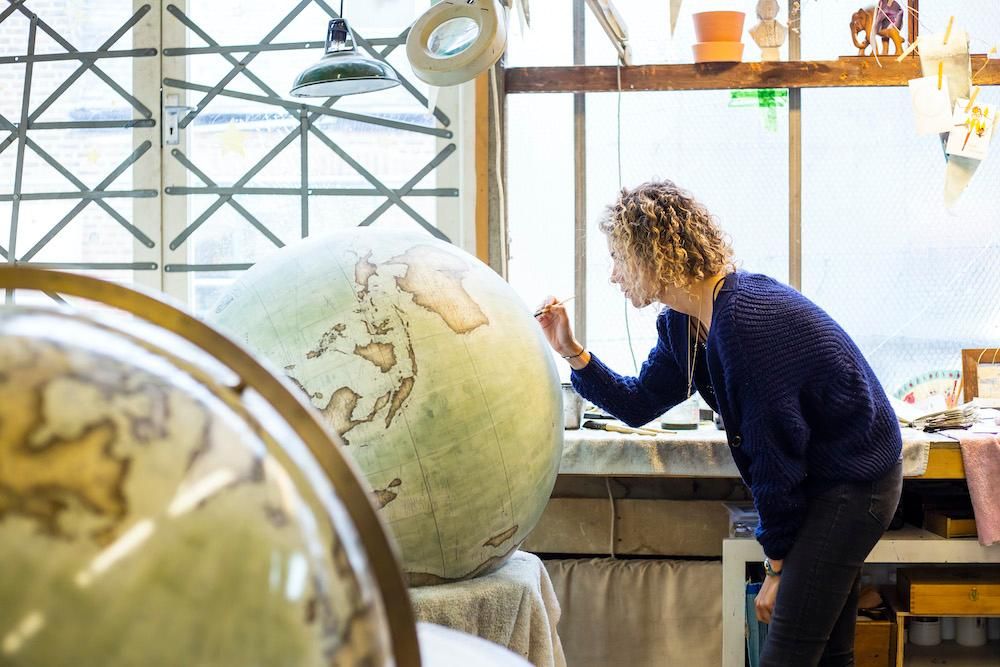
[(769, 33)]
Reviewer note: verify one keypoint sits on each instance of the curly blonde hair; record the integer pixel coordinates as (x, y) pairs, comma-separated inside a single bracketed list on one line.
[(660, 233)]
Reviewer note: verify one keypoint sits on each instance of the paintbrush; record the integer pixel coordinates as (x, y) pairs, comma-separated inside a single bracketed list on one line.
[(545, 309), (615, 428)]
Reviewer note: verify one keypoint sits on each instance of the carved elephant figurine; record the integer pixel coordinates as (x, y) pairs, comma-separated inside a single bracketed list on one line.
[(861, 22)]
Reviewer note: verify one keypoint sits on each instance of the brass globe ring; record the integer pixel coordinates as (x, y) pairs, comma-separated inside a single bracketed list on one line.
[(324, 445)]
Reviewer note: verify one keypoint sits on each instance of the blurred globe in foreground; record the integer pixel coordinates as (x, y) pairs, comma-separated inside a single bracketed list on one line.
[(147, 519), (434, 373)]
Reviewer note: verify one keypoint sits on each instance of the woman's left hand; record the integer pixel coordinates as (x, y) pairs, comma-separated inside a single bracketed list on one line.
[(766, 597)]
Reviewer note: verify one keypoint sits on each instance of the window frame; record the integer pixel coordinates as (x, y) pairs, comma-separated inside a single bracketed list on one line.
[(793, 75)]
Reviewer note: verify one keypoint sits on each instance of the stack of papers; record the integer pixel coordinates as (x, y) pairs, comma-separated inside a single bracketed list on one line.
[(962, 416)]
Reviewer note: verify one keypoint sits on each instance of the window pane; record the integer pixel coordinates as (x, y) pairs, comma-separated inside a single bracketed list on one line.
[(540, 198), (910, 280), (65, 153), (548, 42), (255, 145), (730, 151)]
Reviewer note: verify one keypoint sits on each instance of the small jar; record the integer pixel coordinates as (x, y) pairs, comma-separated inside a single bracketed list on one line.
[(925, 631), (572, 407)]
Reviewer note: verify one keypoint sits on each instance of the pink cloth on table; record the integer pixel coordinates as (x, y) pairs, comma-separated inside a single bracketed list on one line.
[(981, 458)]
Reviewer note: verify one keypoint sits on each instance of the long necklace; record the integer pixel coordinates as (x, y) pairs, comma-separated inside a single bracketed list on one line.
[(692, 351)]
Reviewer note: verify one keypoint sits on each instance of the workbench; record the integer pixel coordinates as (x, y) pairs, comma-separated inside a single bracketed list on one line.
[(578, 519), (704, 453)]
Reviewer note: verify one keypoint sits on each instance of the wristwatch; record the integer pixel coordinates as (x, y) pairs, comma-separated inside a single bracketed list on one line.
[(769, 570)]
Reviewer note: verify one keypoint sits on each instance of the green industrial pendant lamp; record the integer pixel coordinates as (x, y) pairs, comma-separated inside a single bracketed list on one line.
[(342, 70)]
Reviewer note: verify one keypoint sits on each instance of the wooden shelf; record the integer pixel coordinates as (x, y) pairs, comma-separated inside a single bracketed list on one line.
[(952, 654), (854, 71)]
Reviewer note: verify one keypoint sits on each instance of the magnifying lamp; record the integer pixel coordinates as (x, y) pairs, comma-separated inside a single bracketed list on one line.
[(455, 40), (342, 70)]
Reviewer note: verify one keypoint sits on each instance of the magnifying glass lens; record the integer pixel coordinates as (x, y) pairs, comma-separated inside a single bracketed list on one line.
[(452, 37)]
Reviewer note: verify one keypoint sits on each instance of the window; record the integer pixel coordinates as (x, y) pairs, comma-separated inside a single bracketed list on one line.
[(906, 277), (90, 186), (78, 137)]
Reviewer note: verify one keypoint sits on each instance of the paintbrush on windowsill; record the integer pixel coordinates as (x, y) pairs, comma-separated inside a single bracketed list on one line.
[(545, 309), (616, 428)]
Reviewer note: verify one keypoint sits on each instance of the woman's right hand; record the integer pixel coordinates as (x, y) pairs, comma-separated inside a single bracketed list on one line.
[(554, 321)]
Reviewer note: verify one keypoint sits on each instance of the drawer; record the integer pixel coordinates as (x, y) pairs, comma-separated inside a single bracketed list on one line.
[(950, 591)]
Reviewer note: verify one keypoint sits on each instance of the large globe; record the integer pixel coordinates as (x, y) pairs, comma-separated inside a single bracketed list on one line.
[(434, 373), (146, 519)]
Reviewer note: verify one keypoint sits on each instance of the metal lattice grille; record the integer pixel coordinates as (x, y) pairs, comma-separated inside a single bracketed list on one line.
[(294, 123), (42, 131)]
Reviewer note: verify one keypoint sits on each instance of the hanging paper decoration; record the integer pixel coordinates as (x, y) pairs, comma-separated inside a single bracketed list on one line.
[(675, 10), (946, 57)]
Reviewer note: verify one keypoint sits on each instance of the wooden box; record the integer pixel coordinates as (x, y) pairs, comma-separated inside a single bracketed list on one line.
[(950, 523), (874, 643), (949, 591)]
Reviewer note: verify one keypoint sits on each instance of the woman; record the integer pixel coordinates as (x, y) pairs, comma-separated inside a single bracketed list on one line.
[(807, 421)]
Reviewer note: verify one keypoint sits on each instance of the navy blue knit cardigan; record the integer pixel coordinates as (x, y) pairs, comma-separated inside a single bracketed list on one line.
[(802, 408)]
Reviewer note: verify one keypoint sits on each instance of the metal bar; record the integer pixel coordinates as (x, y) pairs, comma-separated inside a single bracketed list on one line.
[(79, 55), (6, 124), (304, 169), (343, 155), (22, 135), (186, 162), (193, 27), (184, 122), (580, 181), (303, 118), (139, 106), (304, 121), (3, 252), (325, 111), (186, 268), (319, 192), (10, 10), (301, 108), (104, 194), (367, 46), (287, 46), (197, 222), (407, 188), (132, 229), (92, 124), (97, 266), (108, 180)]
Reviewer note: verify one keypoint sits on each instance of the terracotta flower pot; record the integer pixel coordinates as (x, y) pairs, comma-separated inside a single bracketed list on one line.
[(718, 26), (718, 52)]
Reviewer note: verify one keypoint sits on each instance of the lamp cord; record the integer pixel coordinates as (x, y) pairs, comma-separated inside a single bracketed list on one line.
[(341, 8), (618, 143)]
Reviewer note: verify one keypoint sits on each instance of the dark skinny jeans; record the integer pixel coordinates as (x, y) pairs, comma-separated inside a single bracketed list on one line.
[(817, 603)]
